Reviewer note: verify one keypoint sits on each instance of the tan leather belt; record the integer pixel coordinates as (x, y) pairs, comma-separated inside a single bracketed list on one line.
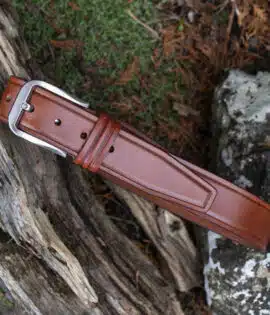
[(45, 115)]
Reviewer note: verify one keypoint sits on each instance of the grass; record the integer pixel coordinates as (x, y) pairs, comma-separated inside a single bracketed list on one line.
[(106, 40)]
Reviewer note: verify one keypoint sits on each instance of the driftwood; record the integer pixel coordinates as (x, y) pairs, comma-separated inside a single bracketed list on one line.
[(60, 252)]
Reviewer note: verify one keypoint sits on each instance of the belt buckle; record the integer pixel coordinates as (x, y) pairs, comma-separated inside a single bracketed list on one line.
[(21, 104)]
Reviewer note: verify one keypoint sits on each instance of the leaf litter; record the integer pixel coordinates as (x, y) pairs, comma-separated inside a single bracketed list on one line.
[(207, 48)]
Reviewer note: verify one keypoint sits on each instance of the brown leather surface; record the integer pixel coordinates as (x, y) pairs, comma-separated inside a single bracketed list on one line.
[(98, 144), (133, 162)]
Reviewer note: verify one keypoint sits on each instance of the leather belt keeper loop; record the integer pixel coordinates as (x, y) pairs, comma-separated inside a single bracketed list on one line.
[(98, 144)]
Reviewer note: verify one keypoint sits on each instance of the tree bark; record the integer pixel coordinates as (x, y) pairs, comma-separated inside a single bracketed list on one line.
[(61, 250)]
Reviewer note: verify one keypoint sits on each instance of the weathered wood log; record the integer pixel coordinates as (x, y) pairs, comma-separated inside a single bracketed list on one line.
[(168, 233), (64, 254)]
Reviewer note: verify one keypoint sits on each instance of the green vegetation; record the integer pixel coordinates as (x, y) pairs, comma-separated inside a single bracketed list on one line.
[(104, 28), (98, 51), (6, 303), (99, 40)]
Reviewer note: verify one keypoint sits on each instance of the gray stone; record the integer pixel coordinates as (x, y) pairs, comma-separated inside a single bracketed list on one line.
[(237, 278)]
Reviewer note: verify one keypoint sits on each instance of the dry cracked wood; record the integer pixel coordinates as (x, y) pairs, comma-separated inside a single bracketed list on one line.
[(169, 235), (60, 253)]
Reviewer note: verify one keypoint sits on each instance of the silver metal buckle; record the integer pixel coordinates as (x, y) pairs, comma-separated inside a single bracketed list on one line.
[(21, 104)]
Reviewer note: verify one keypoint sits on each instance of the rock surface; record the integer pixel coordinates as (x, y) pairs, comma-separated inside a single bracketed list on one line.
[(237, 278)]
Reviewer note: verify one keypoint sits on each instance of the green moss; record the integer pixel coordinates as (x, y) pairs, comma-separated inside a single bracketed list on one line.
[(111, 39), (103, 26), (5, 303)]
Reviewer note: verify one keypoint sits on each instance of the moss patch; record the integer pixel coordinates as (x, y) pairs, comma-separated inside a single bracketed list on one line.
[(85, 48)]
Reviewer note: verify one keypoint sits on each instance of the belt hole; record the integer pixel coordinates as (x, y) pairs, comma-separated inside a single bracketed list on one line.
[(8, 98), (57, 122), (83, 135), (112, 149)]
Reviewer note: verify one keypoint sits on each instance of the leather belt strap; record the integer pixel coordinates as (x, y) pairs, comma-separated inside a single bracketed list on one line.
[(127, 158)]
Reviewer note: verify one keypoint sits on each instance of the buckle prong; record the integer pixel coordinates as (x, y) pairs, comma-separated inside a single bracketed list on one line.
[(21, 104)]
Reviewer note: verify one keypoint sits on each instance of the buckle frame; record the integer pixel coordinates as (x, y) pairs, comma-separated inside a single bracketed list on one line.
[(21, 104)]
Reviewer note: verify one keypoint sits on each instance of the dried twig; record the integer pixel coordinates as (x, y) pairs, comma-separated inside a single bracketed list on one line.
[(229, 28), (147, 27), (222, 6)]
